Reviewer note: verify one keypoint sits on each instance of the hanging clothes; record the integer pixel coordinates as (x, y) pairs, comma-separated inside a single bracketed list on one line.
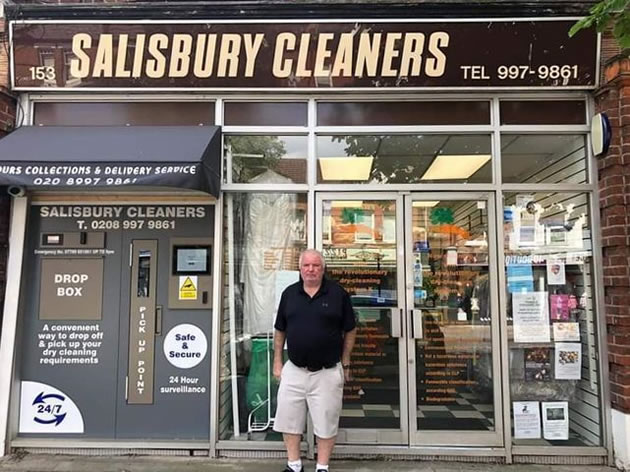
[(267, 221)]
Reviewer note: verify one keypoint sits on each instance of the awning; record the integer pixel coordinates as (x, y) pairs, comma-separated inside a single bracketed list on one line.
[(50, 157)]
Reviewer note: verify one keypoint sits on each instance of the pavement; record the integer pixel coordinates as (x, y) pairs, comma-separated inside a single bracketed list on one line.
[(67, 463)]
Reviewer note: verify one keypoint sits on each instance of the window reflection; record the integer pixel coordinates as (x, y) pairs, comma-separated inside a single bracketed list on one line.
[(268, 231), (267, 159), (404, 158), (543, 158)]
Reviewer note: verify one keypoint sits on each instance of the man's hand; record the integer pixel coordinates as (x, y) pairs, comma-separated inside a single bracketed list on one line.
[(277, 370), (346, 374)]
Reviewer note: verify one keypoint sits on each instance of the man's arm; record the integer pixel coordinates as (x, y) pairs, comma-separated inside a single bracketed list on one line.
[(278, 347), (348, 345)]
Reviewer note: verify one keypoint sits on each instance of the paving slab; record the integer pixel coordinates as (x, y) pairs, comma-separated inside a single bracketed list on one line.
[(69, 463)]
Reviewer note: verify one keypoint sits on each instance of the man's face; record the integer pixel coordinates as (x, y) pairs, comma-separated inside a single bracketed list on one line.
[(311, 269)]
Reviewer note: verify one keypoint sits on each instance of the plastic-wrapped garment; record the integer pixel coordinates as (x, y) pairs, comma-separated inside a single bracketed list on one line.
[(267, 233)]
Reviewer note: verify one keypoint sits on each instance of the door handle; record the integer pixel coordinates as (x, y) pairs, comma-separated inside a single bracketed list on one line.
[(396, 316), (158, 320), (416, 323)]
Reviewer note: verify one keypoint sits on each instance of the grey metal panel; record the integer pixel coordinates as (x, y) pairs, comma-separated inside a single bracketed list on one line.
[(173, 415), (88, 385)]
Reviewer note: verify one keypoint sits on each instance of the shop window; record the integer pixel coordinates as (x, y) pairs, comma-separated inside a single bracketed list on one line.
[(543, 158), (268, 232), (404, 159), (124, 114), (265, 114), (267, 159), (403, 113), (552, 321), (549, 112)]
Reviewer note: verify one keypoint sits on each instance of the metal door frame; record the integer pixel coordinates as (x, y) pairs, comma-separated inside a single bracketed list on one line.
[(460, 438), (408, 434)]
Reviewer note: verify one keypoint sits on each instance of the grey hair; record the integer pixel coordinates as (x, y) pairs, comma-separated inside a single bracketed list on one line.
[(312, 251)]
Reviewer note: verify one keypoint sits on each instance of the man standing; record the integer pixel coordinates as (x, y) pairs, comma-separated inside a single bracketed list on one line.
[(316, 319)]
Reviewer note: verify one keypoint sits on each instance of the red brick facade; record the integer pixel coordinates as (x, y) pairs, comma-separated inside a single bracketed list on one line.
[(614, 182)]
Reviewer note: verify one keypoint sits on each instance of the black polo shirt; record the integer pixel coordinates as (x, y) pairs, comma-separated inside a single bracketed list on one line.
[(314, 327)]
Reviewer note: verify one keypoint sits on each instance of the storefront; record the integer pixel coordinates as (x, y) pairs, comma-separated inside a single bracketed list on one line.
[(451, 189)]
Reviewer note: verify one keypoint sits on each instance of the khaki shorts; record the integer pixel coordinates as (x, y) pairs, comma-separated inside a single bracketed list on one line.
[(321, 391)]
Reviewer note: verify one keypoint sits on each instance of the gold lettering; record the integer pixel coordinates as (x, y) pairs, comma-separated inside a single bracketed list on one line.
[(389, 54), (180, 55), (103, 66), (204, 55), (343, 59), (252, 47), (157, 66), (282, 67), (435, 65), (367, 55), (412, 54), (228, 56), (138, 55), (80, 67), (121, 57), (323, 53), (305, 41)]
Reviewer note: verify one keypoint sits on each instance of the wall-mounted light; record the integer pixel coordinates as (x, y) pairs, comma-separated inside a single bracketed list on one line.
[(601, 134)]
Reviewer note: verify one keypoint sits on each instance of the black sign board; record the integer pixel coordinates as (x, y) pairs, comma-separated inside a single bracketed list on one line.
[(301, 55)]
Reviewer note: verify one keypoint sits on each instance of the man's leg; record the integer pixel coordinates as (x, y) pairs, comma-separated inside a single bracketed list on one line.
[(324, 449), (292, 443)]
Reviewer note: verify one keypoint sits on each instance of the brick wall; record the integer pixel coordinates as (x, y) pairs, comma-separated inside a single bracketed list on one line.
[(614, 183)]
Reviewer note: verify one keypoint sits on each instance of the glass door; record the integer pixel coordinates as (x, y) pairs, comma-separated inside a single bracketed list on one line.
[(421, 271), (360, 236), (453, 322)]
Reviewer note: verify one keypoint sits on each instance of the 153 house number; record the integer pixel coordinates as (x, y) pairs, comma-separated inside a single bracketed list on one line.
[(42, 73)]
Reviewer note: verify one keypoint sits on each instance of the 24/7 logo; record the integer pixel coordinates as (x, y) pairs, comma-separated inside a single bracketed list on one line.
[(46, 409)]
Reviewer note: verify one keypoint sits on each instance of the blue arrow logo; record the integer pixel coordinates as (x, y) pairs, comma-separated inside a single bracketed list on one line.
[(58, 419), (41, 398)]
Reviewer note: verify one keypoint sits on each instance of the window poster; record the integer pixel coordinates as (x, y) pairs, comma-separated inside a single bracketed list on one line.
[(559, 307), (555, 272), (566, 331), (555, 420), (520, 278), (538, 364), (284, 278), (526, 420), (568, 361), (530, 312)]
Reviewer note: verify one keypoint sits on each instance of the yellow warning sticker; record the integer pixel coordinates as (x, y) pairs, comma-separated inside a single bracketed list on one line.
[(188, 287)]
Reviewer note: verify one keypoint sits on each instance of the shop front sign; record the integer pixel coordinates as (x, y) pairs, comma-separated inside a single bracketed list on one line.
[(302, 55)]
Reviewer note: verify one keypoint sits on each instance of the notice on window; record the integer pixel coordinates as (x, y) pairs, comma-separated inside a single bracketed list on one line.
[(526, 420), (530, 312), (284, 278), (555, 420), (566, 331), (568, 364), (520, 278), (555, 272)]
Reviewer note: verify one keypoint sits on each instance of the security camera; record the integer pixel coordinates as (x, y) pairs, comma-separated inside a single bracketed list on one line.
[(16, 191)]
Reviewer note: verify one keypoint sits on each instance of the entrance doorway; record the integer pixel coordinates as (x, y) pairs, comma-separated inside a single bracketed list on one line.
[(421, 269)]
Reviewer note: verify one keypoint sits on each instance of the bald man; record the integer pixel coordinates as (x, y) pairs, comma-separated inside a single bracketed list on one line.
[(316, 319)]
